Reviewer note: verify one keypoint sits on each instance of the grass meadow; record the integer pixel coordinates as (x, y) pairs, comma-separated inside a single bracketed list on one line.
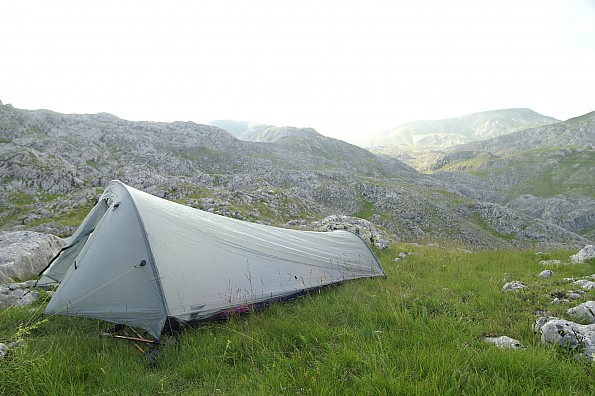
[(419, 331)]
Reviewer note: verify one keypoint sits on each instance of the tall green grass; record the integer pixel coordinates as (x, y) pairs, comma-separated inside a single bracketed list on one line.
[(419, 331)]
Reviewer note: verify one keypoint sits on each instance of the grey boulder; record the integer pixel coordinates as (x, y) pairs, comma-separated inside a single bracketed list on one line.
[(504, 342), (567, 334), (514, 286), (545, 273), (586, 253), (583, 312)]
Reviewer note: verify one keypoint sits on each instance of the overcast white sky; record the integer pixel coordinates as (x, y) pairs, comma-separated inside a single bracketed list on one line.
[(344, 68)]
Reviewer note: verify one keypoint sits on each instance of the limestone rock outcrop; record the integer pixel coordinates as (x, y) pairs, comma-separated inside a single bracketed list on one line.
[(24, 254)]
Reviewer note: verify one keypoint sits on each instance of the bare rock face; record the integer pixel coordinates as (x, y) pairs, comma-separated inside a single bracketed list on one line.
[(573, 214), (24, 254)]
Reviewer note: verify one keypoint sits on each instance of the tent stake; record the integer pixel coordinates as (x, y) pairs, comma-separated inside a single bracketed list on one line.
[(135, 332), (141, 350), (128, 338)]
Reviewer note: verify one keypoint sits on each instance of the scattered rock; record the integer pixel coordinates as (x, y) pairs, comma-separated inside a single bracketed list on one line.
[(585, 284), (514, 286), (28, 298), (574, 295), (16, 294), (550, 262), (5, 348), (546, 274), (558, 300), (402, 255), (30, 283), (585, 254), (567, 334), (504, 342), (583, 312)]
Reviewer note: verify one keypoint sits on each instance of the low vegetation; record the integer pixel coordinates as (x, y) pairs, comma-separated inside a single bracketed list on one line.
[(366, 211), (420, 330)]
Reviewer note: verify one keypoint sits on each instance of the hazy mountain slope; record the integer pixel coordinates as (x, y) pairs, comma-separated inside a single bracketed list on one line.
[(453, 131), (576, 132), (53, 166), (273, 134), (420, 142), (243, 130), (546, 172)]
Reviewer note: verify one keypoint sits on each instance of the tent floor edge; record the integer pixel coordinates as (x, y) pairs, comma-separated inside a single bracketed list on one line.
[(176, 324)]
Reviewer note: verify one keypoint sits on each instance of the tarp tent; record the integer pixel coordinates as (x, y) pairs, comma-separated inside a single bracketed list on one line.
[(140, 260)]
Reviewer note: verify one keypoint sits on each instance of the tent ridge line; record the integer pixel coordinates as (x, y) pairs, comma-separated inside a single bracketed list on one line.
[(149, 251)]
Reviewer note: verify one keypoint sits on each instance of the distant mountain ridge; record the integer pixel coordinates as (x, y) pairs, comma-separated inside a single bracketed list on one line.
[(576, 131), (458, 130), (254, 132), (243, 130)]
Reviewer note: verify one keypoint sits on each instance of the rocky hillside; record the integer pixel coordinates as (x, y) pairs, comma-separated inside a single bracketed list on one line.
[(53, 167), (546, 172)]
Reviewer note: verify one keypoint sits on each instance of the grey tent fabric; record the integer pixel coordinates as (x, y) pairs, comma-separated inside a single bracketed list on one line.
[(149, 259), (76, 242)]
